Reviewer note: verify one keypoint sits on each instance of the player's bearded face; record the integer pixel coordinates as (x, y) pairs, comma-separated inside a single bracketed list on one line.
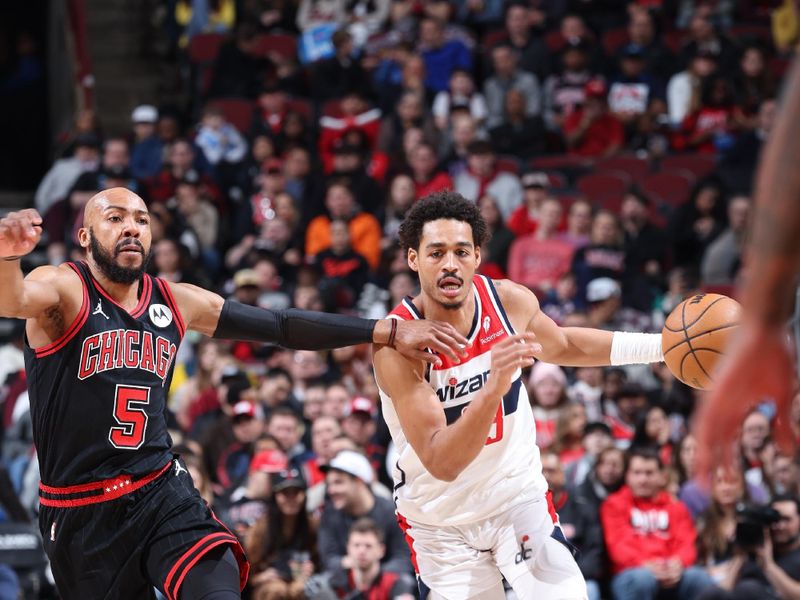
[(446, 261), (109, 260)]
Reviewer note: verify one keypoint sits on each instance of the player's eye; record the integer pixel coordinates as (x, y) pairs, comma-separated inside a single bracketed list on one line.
[(114, 218)]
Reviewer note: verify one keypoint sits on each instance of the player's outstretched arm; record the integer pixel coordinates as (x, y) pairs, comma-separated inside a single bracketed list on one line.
[(212, 315), (446, 450), (25, 298), (576, 346), (759, 365)]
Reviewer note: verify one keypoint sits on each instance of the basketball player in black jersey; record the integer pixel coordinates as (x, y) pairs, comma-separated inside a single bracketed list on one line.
[(119, 514)]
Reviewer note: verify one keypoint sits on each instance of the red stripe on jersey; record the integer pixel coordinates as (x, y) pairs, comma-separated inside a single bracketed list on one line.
[(551, 509), (173, 306), (405, 527), (112, 489), (79, 321)]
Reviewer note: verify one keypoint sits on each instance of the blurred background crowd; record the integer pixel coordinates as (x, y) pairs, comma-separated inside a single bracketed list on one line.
[(610, 145)]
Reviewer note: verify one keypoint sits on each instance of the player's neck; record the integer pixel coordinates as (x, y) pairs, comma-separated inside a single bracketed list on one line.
[(461, 318), (124, 294)]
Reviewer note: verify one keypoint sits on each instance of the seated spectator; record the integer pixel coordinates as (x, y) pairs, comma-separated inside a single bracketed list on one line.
[(683, 89), (365, 231), (776, 571), (201, 215), (281, 545), (463, 130), (579, 523), (219, 141), (547, 388), (649, 536), (324, 430), (65, 172), (634, 91), (753, 83), (339, 74), (285, 426), (653, 431), (359, 424), (353, 163), (564, 90), (409, 113), (400, 71), (534, 56), (738, 163), (540, 259), (605, 478), (525, 218), (642, 32), (579, 224), (518, 134), (273, 106), (344, 271), (646, 250), (441, 56), (238, 70), (630, 403), (494, 254), (508, 76), (355, 113), (722, 258), (361, 574), (483, 177), (713, 126), (182, 159), (559, 302), (603, 256), (785, 475), (428, 177), (596, 438), (704, 35), (462, 94), (568, 443), (697, 223), (401, 195), (147, 146), (348, 477), (591, 130), (716, 528)]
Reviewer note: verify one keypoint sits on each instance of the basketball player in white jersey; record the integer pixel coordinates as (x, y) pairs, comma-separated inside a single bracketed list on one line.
[(469, 488)]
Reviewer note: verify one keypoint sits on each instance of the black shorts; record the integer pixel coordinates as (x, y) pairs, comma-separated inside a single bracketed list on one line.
[(118, 539)]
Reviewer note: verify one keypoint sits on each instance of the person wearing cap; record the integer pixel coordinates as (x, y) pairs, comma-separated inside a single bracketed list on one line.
[(65, 171), (281, 544), (592, 130), (483, 177), (508, 76), (359, 423), (525, 218), (635, 91), (348, 477), (148, 148)]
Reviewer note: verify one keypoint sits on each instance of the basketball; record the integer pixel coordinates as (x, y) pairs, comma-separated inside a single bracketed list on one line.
[(695, 336)]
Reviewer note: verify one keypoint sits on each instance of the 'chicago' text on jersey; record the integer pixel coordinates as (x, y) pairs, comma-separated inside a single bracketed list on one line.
[(125, 349)]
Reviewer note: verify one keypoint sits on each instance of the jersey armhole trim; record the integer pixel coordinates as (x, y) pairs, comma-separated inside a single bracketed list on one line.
[(173, 305), (75, 326), (498, 306)]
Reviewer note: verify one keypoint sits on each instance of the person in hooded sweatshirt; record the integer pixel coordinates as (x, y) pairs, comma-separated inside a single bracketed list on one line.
[(649, 535)]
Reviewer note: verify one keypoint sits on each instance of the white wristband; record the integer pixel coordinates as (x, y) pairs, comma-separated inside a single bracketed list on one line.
[(635, 348)]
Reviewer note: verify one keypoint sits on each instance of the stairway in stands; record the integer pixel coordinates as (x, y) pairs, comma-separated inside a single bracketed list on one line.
[(127, 71)]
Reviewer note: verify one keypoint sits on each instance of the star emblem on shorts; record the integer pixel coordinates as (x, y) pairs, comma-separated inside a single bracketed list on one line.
[(108, 489)]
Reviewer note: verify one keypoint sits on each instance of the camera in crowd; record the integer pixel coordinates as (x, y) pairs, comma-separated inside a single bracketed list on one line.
[(750, 523)]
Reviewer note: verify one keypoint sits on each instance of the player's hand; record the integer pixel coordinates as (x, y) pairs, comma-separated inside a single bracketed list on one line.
[(759, 368), (414, 336), (514, 352), (19, 232)]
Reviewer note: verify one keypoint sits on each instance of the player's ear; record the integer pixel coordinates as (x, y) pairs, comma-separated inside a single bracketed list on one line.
[(83, 237), (412, 258), (477, 256)]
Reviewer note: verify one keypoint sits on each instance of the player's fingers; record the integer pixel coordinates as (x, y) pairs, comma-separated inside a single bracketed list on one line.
[(427, 357), (448, 330), (443, 347), (454, 341)]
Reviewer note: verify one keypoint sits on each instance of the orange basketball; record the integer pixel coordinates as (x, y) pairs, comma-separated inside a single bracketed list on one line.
[(696, 335)]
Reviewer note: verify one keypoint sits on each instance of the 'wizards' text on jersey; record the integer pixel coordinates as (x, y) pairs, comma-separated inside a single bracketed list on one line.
[(100, 390)]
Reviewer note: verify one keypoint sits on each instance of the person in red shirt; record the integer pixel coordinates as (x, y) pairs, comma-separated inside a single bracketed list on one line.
[(650, 536), (592, 130), (428, 178), (525, 218)]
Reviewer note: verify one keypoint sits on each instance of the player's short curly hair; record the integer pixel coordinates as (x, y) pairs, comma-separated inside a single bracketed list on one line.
[(442, 205)]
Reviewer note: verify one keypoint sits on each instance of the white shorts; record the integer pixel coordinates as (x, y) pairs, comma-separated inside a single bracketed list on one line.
[(469, 561)]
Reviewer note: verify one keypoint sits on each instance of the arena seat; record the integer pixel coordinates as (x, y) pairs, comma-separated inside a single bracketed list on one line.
[(601, 188), (636, 168), (237, 111), (699, 165), (280, 43), (671, 188)]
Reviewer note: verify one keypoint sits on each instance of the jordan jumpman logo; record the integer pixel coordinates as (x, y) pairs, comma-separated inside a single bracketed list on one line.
[(99, 310)]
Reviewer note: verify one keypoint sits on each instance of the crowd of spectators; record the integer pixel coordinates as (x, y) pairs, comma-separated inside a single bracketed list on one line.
[(282, 183)]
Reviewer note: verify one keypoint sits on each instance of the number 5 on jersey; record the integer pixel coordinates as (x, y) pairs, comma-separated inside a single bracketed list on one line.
[(132, 419)]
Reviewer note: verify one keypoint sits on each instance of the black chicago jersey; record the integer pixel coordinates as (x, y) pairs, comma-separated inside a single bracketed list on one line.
[(98, 394)]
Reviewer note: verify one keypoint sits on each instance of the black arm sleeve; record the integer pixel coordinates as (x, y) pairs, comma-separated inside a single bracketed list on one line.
[(292, 328)]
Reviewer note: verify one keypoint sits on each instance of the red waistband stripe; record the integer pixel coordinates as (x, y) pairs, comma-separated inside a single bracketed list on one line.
[(96, 491)]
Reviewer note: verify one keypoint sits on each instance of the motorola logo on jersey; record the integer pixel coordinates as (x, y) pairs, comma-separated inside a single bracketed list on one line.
[(160, 315), (459, 389), (125, 349)]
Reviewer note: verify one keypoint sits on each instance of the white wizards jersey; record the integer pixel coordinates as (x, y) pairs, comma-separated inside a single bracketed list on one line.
[(508, 469)]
